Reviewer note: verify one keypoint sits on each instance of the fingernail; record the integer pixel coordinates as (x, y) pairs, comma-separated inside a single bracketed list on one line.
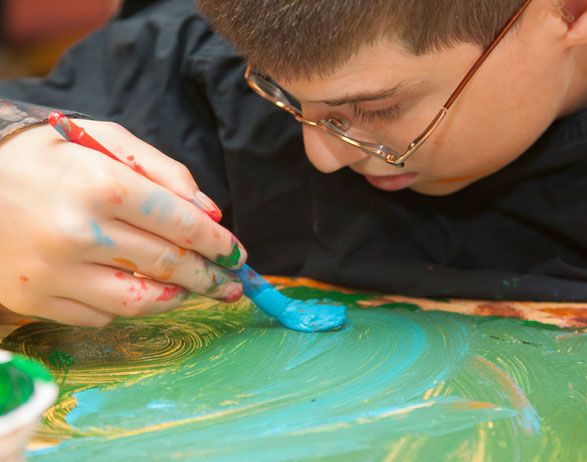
[(207, 205), (234, 292)]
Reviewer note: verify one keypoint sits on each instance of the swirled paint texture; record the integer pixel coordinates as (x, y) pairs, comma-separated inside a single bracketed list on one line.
[(223, 383)]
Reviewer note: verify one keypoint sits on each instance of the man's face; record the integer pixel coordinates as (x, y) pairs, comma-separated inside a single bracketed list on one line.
[(389, 95)]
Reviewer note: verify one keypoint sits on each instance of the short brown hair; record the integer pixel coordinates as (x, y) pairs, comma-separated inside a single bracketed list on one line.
[(306, 38)]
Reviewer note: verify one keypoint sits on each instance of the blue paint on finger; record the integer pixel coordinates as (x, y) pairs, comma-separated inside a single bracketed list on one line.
[(99, 236), (160, 203)]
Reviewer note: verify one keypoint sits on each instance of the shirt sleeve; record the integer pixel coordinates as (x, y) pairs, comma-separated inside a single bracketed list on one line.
[(16, 115)]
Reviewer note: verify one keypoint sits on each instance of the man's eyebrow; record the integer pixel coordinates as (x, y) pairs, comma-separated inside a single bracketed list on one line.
[(400, 89)]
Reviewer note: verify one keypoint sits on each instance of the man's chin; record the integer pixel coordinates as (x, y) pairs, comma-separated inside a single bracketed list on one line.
[(419, 183), (439, 187)]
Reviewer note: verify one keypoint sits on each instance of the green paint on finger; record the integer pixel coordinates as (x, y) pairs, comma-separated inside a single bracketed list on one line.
[(231, 260)]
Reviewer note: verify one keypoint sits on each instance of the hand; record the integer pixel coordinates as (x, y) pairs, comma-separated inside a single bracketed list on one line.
[(78, 229)]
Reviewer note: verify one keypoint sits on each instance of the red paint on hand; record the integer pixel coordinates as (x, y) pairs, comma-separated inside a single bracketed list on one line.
[(207, 205), (234, 295), (23, 279), (139, 169), (169, 293), (76, 134)]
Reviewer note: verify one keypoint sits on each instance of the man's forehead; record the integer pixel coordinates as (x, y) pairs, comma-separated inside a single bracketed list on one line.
[(378, 71)]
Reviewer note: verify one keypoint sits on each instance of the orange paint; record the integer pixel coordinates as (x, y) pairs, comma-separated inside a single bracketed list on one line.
[(165, 275), (181, 251), (23, 279), (566, 312), (473, 405), (126, 264)]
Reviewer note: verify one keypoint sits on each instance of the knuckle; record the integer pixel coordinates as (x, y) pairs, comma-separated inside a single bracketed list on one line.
[(164, 264), (181, 172), (71, 234), (115, 128), (187, 226)]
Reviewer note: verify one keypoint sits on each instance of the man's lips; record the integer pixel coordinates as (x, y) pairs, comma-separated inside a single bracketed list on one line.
[(392, 182)]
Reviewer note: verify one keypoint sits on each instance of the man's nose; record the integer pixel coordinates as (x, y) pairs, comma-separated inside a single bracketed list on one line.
[(327, 153)]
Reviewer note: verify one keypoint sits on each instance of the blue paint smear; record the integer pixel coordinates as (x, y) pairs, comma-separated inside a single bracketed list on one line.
[(100, 237), (161, 203), (87, 401), (302, 316)]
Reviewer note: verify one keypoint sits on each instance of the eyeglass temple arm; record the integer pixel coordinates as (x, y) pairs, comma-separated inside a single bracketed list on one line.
[(413, 147), (484, 55)]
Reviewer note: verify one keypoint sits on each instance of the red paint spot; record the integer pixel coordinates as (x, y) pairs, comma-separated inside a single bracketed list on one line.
[(169, 293), (579, 322), (130, 158), (113, 198), (121, 275), (498, 309), (139, 169), (139, 290), (23, 279), (189, 241), (216, 215)]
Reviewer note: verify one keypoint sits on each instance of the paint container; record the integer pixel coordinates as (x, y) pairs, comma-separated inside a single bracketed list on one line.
[(26, 391)]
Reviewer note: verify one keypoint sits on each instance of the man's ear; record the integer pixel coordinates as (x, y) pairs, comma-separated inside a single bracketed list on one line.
[(575, 12)]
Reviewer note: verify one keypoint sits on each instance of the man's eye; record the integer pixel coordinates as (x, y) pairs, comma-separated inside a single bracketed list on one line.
[(389, 113)]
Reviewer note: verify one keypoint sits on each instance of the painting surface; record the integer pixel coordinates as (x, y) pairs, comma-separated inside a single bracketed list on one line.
[(221, 382)]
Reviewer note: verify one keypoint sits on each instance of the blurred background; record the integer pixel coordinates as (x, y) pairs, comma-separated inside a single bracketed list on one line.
[(34, 33)]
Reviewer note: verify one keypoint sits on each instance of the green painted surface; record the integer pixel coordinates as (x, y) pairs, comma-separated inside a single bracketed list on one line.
[(223, 383)]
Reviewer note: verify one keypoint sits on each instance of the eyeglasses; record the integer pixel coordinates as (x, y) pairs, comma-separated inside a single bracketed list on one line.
[(339, 128)]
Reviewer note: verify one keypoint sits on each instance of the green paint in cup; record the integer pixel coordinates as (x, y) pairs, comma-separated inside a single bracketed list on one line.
[(26, 391)]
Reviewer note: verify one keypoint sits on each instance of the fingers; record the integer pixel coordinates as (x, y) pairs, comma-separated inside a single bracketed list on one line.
[(72, 312), (138, 251), (154, 209), (151, 163), (120, 293)]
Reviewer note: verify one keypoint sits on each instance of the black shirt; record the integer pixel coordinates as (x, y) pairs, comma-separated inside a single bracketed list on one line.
[(160, 71)]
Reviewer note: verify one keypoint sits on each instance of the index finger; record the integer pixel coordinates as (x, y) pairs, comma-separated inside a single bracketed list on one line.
[(152, 208)]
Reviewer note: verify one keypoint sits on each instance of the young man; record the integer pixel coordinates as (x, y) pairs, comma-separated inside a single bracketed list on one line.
[(491, 205)]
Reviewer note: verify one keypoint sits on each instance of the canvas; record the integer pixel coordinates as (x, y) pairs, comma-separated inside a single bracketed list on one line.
[(401, 381)]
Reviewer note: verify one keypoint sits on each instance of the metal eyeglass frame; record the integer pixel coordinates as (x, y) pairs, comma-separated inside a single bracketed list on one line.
[(334, 127)]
